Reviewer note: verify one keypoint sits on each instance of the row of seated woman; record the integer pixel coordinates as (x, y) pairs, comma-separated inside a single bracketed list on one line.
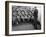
[(21, 21)]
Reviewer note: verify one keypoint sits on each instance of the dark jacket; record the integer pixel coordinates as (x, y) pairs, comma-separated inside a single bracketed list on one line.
[(35, 13)]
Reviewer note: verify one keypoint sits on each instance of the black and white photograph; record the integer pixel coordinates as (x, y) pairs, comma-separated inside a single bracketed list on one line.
[(26, 18)]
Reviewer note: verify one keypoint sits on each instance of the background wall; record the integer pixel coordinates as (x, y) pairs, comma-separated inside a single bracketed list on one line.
[(2, 18)]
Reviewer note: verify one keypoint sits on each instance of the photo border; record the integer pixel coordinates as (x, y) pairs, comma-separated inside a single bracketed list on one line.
[(7, 17)]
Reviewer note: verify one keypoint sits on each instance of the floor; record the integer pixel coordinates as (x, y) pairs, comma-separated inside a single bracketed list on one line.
[(25, 26)]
